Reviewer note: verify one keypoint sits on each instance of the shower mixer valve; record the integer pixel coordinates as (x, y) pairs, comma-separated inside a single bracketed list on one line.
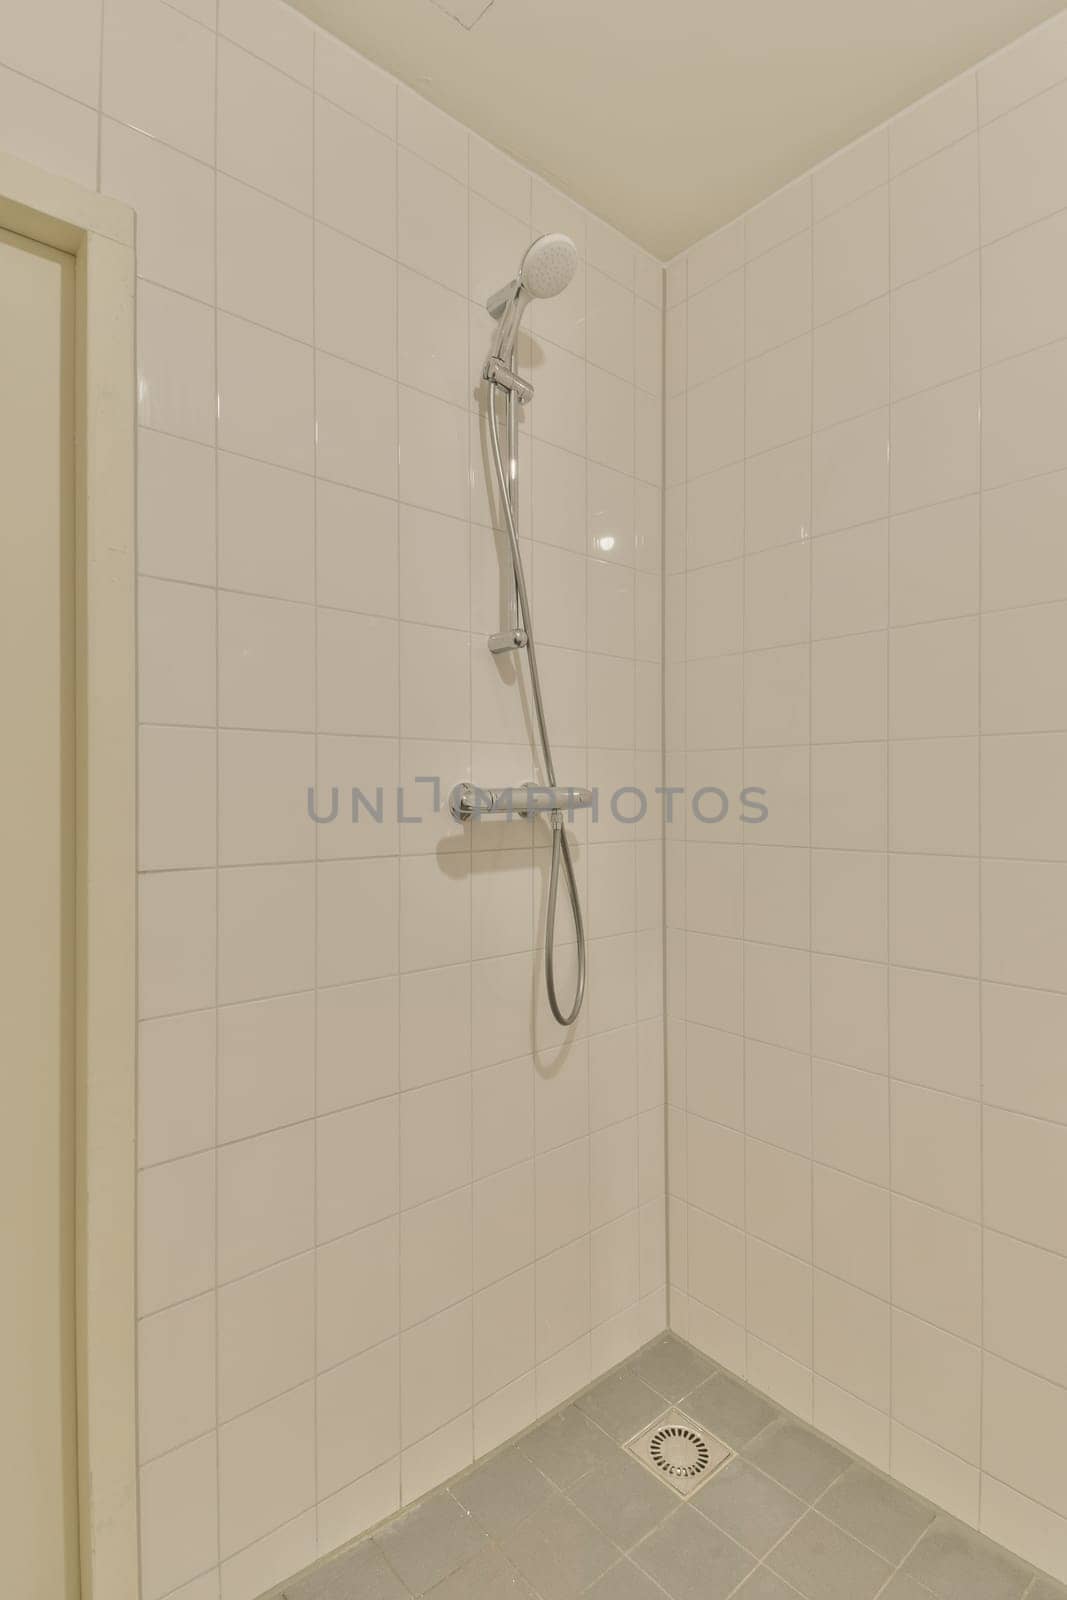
[(526, 800)]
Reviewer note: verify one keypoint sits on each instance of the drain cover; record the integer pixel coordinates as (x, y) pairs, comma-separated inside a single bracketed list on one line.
[(680, 1451)]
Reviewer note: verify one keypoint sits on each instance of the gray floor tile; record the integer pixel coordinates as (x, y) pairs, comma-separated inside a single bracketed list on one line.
[(902, 1588), (566, 1447), (488, 1577), (764, 1585), (876, 1512), (691, 1559), (957, 1564), (622, 1405), (824, 1563), (558, 1551), (734, 1412), (503, 1492), (362, 1572), (749, 1506), (624, 1582), (671, 1367), (430, 1542), (624, 1500), (798, 1458)]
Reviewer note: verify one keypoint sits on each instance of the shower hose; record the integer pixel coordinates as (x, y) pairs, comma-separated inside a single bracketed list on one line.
[(561, 849)]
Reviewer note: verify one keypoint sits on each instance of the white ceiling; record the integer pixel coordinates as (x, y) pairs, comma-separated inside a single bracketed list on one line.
[(669, 117)]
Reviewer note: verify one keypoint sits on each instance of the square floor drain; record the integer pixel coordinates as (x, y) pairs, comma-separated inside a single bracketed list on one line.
[(680, 1452)]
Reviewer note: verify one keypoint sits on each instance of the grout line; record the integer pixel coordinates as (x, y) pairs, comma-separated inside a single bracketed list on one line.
[(981, 876), (316, 693), (216, 1286), (887, 779), (811, 815)]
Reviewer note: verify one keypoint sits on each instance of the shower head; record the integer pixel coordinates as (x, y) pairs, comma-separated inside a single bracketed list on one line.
[(549, 265), (545, 271)]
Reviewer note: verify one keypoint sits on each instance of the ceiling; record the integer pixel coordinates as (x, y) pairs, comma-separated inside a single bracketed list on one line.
[(669, 117)]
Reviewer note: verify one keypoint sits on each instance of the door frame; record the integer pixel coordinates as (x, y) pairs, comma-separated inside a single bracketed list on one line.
[(99, 234)]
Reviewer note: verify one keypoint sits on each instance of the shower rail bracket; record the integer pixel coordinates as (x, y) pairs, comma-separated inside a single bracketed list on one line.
[(512, 639), (498, 372)]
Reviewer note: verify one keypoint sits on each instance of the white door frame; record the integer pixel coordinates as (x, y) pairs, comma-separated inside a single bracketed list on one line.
[(99, 234)]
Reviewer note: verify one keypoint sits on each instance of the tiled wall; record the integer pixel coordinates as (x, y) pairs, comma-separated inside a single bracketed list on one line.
[(388, 1214), (866, 549)]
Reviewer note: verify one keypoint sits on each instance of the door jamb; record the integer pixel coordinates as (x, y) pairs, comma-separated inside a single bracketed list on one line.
[(99, 234)]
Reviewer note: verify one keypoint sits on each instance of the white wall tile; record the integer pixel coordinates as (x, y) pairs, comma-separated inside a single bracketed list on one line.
[(266, 395), (264, 127), (1022, 1416), (936, 1385), (851, 256), (436, 1368), (357, 1167), (1025, 1178), (45, 127), (264, 260), (176, 1376), (176, 1232), (271, 32), (179, 1510), (158, 72), (349, 80), (357, 1409), (356, 550), (175, 1086), (850, 1121), (941, 119), (174, 197), (266, 1468), (354, 178), (265, 1065), (266, 931), (935, 327), (175, 364), (349, 451), (934, 208), (251, 1368), (1022, 177), (177, 920), (852, 1340), (266, 1199), (177, 788), (357, 1292)]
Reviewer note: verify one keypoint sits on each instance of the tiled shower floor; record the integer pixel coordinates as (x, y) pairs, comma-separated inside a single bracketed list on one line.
[(565, 1512)]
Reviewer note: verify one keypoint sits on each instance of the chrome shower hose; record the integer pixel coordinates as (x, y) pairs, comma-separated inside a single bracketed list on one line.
[(561, 850)]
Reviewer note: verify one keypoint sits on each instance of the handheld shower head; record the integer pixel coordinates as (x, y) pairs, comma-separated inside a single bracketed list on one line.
[(545, 271), (549, 265)]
